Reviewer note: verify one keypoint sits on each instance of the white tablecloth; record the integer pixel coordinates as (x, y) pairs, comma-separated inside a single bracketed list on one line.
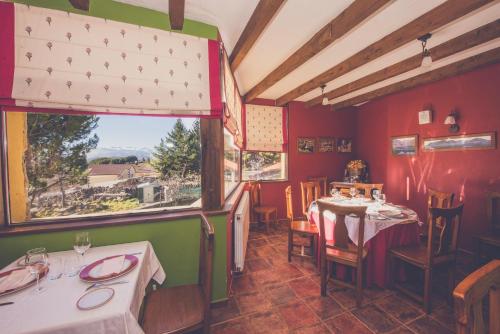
[(54, 310), (373, 221)]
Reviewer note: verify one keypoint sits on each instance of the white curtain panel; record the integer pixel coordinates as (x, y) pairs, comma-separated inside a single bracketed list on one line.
[(266, 128), (233, 112)]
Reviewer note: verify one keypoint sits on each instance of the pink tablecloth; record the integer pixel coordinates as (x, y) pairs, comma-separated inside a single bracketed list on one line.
[(377, 261)]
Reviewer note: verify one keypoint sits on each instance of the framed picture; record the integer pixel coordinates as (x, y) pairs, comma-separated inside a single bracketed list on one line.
[(326, 144), (404, 145), (425, 117), (344, 145), (306, 145), (479, 141)]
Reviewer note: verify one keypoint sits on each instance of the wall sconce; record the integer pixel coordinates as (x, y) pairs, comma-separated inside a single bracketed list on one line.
[(426, 54), (324, 101), (451, 120)]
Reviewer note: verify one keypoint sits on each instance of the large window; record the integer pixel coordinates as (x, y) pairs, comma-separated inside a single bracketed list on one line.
[(264, 166), (70, 165), (231, 163)]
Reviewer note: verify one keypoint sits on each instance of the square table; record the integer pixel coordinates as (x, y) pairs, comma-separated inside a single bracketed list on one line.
[(54, 310)]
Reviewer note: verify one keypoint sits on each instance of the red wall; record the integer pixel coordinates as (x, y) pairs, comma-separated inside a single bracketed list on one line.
[(469, 174)]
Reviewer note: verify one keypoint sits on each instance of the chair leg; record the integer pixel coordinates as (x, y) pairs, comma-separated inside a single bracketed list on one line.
[(427, 290), (451, 282), (290, 244), (266, 219), (359, 284), (324, 264)]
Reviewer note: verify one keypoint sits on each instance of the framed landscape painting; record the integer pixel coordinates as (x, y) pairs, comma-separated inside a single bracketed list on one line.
[(344, 145), (306, 145), (479, 141), (404, 145), (326, 144)]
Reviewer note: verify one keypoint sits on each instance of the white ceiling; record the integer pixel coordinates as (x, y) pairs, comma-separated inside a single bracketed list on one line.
[(298, 20)]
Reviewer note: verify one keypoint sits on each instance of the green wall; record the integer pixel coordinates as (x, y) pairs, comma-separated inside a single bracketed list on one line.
[(176, 243), (130, 14)]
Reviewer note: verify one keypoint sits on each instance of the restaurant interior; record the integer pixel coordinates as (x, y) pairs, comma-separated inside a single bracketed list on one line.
[(249, 166)]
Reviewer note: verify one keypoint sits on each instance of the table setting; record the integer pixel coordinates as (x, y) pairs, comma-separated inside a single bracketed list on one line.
[(85, 290)]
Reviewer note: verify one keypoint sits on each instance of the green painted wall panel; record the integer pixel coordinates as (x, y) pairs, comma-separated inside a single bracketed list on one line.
[(130, 14)]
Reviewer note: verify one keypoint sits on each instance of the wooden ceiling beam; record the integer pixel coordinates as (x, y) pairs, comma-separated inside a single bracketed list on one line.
[(433, 19), (261, 16), (176, 14), (465, 65), (352, 16), (80, 4), (463, 42)]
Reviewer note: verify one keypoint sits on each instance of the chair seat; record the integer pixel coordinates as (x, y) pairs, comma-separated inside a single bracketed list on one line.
[(265, 209), (345, 257), (417, 255), (303, 226), (492, 238), (171, 310)]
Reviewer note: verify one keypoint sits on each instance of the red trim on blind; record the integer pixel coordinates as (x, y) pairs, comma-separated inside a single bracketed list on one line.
[(214, 69), (244, 124), (284, 128), (6, 49)]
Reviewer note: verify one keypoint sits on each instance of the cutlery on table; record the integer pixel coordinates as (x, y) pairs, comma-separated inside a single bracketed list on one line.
[(98, 284), (6, 303)]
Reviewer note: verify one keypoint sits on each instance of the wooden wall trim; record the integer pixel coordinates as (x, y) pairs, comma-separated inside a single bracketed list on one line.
[(212, 166)]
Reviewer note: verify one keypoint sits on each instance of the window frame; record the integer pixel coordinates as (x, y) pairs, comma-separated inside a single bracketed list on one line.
[(240, 167)]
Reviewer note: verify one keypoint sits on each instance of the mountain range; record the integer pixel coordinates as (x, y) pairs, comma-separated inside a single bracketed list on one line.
[(119, 152)]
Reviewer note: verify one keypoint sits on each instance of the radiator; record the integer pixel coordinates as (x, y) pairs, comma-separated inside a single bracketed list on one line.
[(241, 227)]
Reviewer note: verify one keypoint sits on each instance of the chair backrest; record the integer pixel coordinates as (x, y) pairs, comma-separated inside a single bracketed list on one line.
[(205, 266), (289, 203), (323, 182), (343, 187), (311, 191), (493, 210), (340, 235), (255, 188), (438, 199), (443, 231), (367, 188), (469, 295)]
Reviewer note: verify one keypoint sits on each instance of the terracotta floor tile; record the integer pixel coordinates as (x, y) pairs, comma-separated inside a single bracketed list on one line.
[(375, 293), (305, 287), (266, 277), (376, 319), (243, 284), (252, 302), (313, 329), (257, 242), (444, 314), (278, 259), (427, 325), (265, 251), (288, 271), (297, 315), (280, 294), (344, 296), (255, 265), (401, 330), (305, 265), (324, 307), (225, 312), (267, 322), (347, 323), (236, 326), (398, 308)]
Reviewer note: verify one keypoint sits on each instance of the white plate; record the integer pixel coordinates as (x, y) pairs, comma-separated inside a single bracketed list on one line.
[(95, 298), (96, 271)]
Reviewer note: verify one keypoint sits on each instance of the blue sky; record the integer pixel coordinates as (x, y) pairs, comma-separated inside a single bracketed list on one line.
[(134, 131)]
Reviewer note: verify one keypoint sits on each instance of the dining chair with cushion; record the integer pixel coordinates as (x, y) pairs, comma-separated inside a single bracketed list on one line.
[(342, 250), (261, 213), (300, 227), (323, 182), (367, 188), (491, 239), (440, 250), (184, 308), (310, 192)]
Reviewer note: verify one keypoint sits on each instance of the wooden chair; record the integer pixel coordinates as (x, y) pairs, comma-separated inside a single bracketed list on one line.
[(469, 295), (342, 187), (367, 188), (441, 249), (310, 191), (185, 308), (261, 213), (342, 250), (301, 227), (323, 182), (492, 238)]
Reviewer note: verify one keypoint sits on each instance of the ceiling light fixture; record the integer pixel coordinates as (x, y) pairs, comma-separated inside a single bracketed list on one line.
[(325, 99), (426, 54)]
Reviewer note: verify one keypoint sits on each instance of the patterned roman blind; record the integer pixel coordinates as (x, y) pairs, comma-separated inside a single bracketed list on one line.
[(57, 60), (233, 112), (266, 128)]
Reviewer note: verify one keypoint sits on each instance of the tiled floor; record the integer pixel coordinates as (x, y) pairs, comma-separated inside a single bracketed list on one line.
[(273, 296)]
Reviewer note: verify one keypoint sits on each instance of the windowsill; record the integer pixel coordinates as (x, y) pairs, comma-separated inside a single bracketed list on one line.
[(267, 181)]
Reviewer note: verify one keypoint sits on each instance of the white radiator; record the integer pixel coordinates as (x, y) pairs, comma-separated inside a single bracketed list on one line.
[(241, 227)]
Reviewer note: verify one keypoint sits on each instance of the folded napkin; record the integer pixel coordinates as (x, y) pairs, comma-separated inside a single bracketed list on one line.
[(15, 279), (112, 266)]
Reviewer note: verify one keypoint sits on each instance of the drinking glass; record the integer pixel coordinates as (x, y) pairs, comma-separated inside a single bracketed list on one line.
[(82, 244), (352, 192), (376, 195), (382, 199), (56, 267), (36, 262)]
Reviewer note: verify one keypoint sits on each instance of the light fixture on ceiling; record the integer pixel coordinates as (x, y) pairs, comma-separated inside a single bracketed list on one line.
[(451, 120), (426, 54), (325, 99)]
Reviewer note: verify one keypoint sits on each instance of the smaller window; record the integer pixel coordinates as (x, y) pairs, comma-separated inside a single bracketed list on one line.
[(264, 166), (231, 163)]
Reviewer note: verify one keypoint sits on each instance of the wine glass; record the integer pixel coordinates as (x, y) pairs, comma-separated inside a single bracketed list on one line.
[(376, 195), (36, 262), (352, 192), (382, 199), (82, 244)]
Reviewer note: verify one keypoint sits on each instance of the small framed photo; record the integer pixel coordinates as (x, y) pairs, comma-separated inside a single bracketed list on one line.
[(306, 145), (479, 141), (326, 144), (344, 145), (404, 145)]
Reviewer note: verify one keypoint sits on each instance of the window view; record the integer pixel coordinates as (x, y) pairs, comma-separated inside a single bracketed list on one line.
[(231, 163), (264, 166), (70, 165)]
